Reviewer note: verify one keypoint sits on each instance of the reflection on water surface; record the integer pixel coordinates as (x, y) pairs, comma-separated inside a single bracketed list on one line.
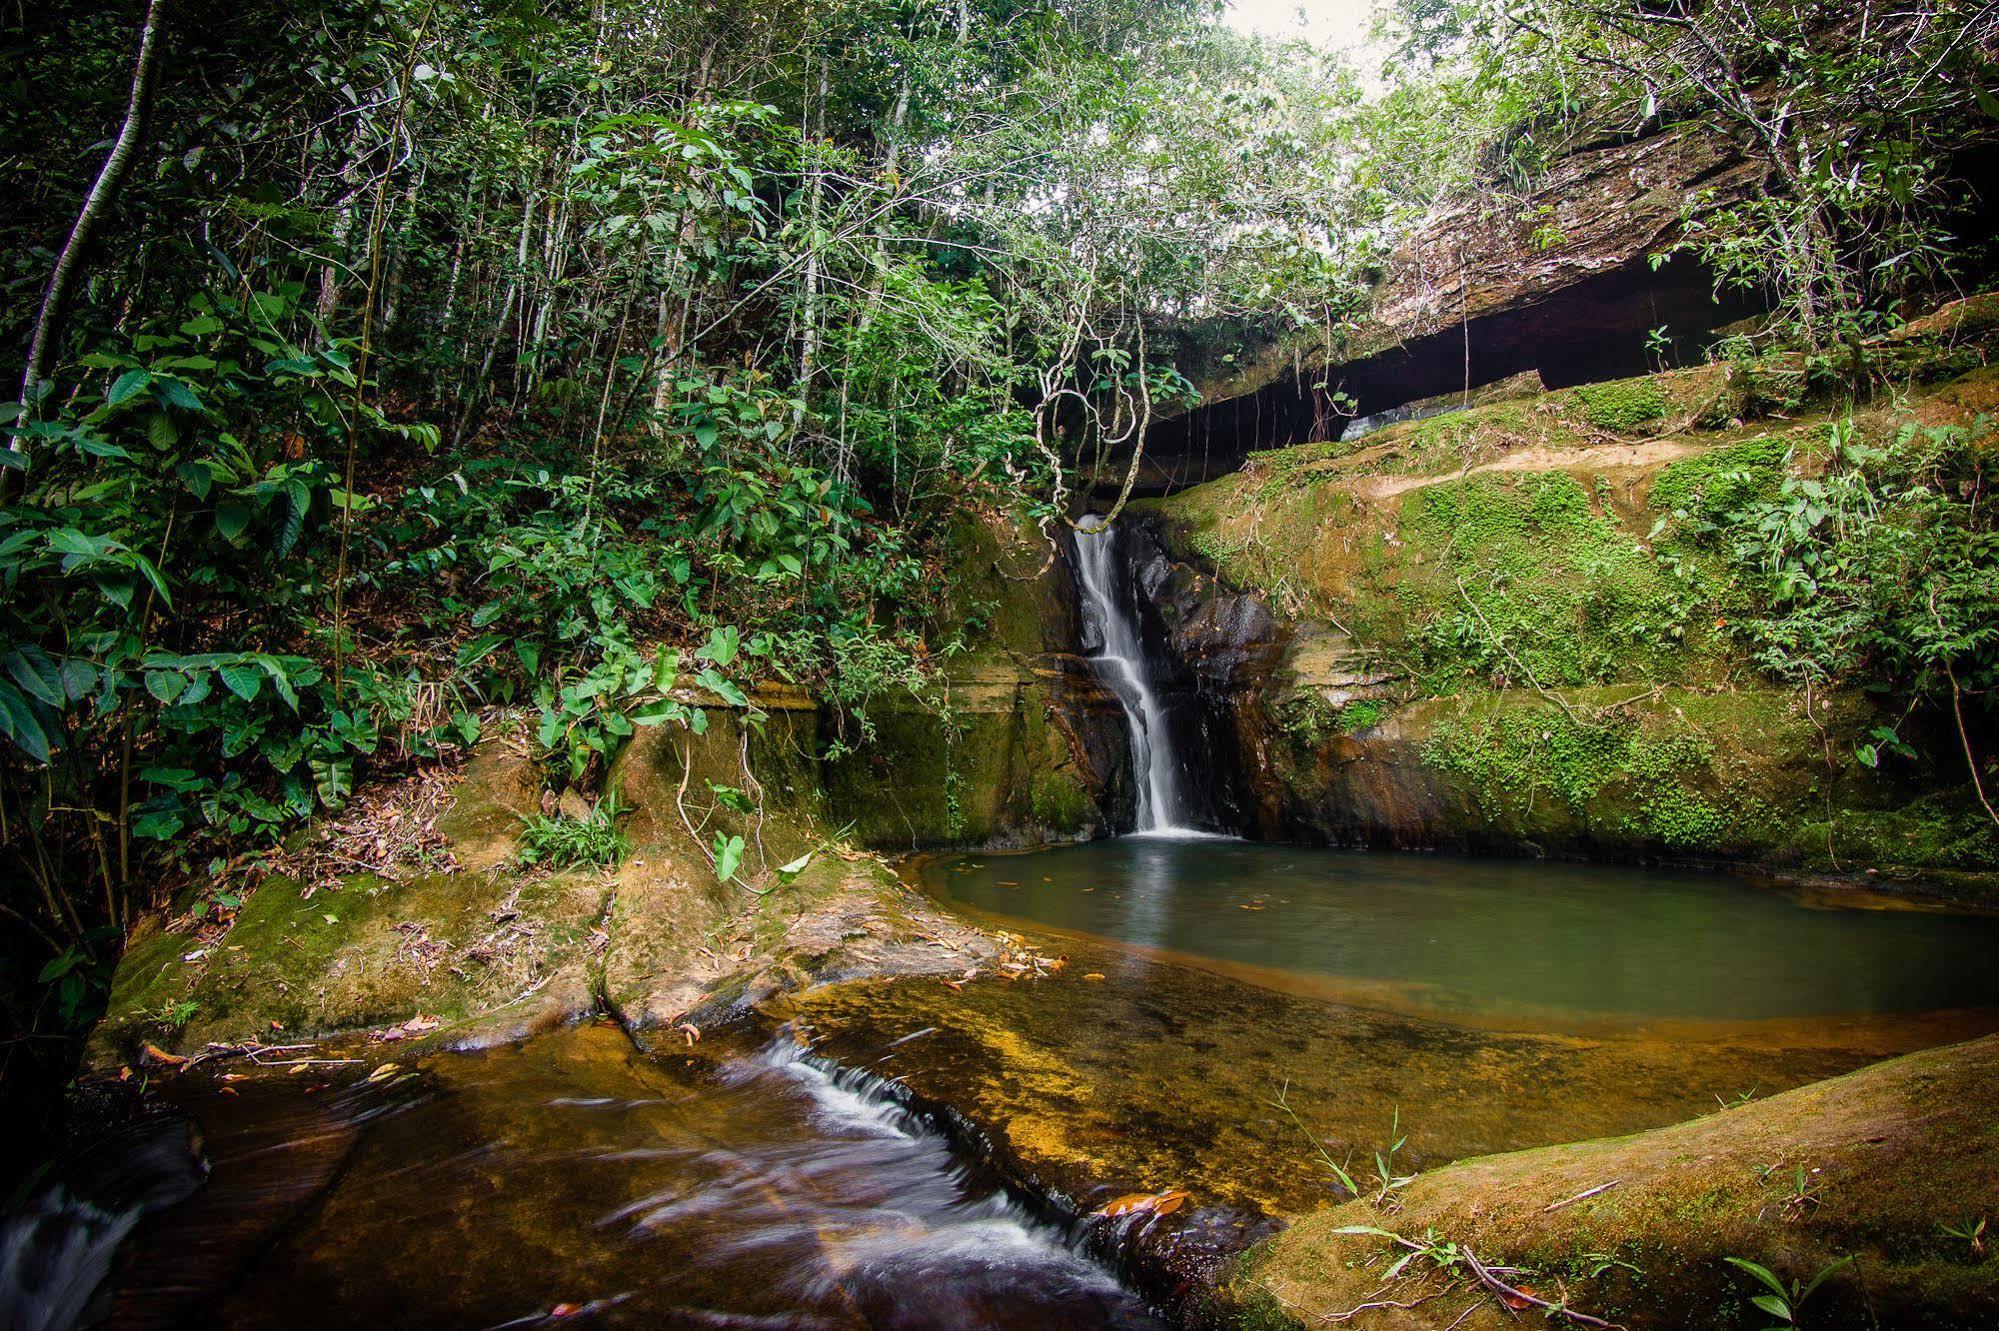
[(1529, 940)]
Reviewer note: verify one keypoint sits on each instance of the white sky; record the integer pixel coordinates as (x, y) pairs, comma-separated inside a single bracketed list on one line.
[(1331, 23)]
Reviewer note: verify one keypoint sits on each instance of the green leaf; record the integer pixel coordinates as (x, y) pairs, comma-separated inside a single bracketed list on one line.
[(1820, 1278), (1762, 1273), (728, 856), (334, 779), (244, 681), (479, 649), (1773, 1304), (177, 394), (32, 669), (60, 965), (722, 688), (126, 387), (19, 723), (158, 825), (788, 872), (166, 685), (722, 645), (197, 478), (232, 519)]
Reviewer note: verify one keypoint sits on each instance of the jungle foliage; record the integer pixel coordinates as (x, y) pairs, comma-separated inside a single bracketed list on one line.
[(415, 361)]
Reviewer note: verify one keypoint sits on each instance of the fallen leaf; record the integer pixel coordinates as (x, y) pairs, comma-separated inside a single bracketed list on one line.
[(1094, 975), (1144, 1203), (384, 1072), (952, 984), (158, 1055), (689, 1029)]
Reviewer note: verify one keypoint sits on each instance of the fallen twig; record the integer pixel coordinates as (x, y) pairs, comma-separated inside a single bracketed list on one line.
[(1488, 1278), (1581, 1196)]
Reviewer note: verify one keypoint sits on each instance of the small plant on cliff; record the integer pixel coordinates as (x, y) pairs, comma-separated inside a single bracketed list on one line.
[(1971, 1231), (1783, 1301), (566, 843)]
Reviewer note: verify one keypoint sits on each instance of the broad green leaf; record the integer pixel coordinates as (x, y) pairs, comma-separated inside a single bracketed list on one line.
[(232, 518), (1762, 1273), (1772, 1304), (126, 387), (19, 723), (728, 856), (166, 685), (32, 669), (243, 680)]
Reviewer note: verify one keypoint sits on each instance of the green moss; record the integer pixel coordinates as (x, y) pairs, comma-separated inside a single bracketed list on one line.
[(1935, 830), (1365, 714), (1624, 406), (1723, 479), (1628, 779), (1522, 580)]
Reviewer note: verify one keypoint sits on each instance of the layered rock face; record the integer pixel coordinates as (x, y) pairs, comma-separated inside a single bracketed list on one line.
[(1499, 629), (1560, 283)]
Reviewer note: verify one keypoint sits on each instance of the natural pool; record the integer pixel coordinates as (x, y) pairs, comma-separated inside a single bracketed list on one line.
[(1469, 1006), (1544, 945)]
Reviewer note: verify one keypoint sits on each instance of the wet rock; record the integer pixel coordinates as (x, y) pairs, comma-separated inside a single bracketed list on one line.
[(1153, 1077), (1887, 1156), (498, 788)]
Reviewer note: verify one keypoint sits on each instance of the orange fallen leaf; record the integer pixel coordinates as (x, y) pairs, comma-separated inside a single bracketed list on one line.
[(688, 1028), (158, 1055), (952, 984), (1094, 975), (1144, 1203)]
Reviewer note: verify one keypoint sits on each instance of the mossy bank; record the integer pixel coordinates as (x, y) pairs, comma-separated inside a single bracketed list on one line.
[(1546, 625)]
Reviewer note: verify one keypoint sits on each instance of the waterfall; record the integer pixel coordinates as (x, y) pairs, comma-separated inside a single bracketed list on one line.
[(1119, 660)]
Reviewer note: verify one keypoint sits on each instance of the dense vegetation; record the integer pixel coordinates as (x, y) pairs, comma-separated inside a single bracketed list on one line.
[(383, 365)]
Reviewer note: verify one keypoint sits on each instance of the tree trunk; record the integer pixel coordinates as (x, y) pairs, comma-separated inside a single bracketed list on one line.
[(98, 202)]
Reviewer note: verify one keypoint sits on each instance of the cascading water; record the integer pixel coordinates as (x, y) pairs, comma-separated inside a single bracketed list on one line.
[(1120, 662)]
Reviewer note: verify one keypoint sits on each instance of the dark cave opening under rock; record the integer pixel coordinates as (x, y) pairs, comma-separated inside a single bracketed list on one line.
[(1593, 330)]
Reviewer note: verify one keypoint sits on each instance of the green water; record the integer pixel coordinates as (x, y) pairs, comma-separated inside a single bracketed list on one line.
[(1494, 938)]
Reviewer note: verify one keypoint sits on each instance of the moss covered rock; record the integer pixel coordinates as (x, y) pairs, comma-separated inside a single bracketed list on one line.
[(1546, 642), (1871, 1166)]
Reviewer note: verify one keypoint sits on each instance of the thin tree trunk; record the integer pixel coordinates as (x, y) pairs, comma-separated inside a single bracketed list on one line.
[(98, 202), (808, 340)]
